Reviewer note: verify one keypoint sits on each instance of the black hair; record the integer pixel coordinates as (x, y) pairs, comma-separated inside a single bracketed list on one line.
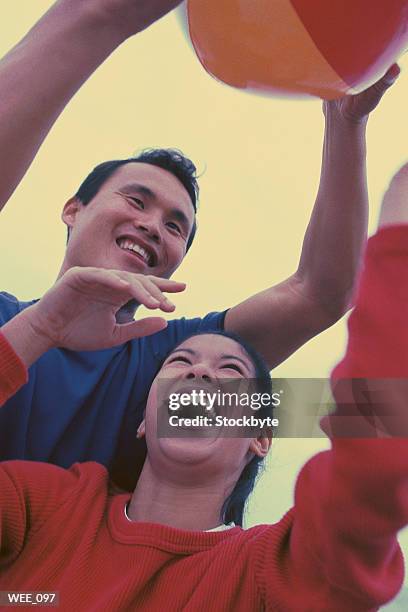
[(171, 160), (234, 506)]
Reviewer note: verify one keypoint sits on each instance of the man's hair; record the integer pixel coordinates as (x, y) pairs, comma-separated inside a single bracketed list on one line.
[(171, 160)]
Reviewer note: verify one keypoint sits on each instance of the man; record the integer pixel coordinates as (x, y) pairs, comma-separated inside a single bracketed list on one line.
[(100, 395), (335, 550)]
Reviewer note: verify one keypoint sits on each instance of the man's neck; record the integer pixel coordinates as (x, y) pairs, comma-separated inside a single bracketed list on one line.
[(192, 507), (127, 312)]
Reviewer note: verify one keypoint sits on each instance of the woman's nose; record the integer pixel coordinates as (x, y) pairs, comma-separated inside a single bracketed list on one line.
[(200, 372)]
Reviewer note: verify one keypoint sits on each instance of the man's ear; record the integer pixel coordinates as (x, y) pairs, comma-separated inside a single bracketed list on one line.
[(141, 430), (70, 210), (260, 446)]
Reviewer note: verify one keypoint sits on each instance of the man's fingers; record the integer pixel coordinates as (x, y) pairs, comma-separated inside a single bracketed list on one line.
[(391, 75), (165, 304), (142, 295), (124, 289), (138, 329), (97, 283), (148, 290), (362, 104), (165, 284), (380, 87)]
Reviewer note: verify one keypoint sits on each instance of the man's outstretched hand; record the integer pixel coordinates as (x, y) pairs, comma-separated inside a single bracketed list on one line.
[(356, 109), (79, 311)]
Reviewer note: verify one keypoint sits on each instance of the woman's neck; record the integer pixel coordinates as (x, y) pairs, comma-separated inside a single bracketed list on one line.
[(194, 507)]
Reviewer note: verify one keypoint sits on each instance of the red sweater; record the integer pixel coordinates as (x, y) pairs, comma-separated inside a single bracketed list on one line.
[(336, 550)]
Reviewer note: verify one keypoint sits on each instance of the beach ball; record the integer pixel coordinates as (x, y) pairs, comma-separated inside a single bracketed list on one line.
[(325, 48)]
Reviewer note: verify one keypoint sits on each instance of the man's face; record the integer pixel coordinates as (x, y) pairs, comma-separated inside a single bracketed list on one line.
[(139, 221)]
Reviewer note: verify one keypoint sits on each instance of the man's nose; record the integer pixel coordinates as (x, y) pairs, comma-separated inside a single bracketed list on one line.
[(149, 227), (200, 372)]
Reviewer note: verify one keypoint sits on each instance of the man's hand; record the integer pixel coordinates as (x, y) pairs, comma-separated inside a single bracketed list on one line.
[(79, 312), (356, 109), (280, 319)]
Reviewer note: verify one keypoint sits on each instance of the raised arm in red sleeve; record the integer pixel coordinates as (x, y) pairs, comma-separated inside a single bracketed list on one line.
[(351, 501)]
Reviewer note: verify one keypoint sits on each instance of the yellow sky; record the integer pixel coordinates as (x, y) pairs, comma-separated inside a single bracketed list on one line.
[(260, 159)]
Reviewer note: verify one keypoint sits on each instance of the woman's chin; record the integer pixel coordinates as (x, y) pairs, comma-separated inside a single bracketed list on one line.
[(195, 448)]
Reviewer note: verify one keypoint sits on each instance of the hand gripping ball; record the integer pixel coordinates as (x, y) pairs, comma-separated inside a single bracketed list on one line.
[(325, 48)]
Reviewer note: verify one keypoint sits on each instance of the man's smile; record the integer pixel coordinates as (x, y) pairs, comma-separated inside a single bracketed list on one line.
[(138, 248)]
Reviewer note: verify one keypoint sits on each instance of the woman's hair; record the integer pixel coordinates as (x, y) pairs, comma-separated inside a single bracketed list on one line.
[(234, 506)]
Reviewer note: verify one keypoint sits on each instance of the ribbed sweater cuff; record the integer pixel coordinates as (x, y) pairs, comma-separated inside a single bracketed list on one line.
[(13, 373)]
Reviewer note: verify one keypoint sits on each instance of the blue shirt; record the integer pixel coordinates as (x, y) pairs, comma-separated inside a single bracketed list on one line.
[(86, 406)]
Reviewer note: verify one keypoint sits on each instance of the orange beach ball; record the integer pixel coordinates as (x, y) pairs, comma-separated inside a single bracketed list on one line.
[(325, 48)]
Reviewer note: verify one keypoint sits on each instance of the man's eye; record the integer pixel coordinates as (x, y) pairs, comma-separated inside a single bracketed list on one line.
[(137, 202), (174, 226)]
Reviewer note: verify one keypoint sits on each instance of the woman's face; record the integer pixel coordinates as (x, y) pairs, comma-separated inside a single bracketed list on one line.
[(201, 363)]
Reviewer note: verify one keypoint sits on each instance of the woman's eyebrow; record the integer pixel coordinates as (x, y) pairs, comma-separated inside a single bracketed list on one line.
[(187, 350)]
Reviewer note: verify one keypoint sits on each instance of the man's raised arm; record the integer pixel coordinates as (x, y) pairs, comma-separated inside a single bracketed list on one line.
[(40, 74), (282, 318)]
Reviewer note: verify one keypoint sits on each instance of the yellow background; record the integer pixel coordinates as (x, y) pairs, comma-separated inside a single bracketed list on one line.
[(260, 159)]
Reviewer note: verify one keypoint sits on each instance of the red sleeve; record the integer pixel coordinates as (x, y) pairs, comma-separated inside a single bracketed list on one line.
[(351, 501), (378, 330), (13, 373), (30, 494)]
